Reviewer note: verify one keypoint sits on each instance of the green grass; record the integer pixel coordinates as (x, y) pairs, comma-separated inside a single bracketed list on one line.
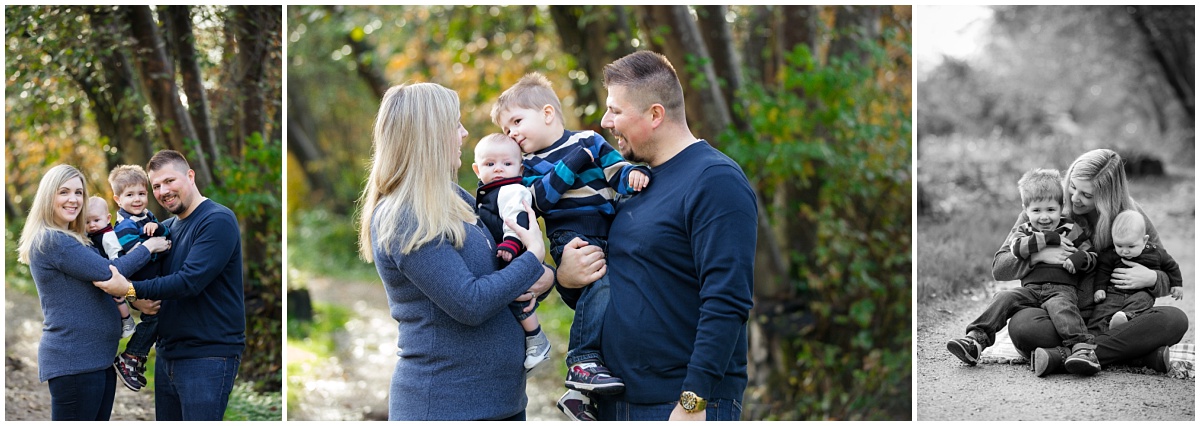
[(316, 336), (245, 404)]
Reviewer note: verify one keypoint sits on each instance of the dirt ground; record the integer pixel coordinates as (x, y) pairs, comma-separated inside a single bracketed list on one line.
[(354, 386), (25, 398)]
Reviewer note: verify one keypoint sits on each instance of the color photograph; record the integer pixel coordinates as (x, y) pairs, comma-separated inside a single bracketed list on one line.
[(143, 212), (599, 212)]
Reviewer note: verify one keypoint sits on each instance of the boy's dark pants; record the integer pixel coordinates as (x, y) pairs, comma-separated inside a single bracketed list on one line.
[(584, 344), (143, 336), (1133, 304), (1057, 299)]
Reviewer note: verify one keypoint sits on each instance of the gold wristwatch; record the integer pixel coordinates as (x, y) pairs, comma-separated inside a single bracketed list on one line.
[(130, 295), (691, 402)]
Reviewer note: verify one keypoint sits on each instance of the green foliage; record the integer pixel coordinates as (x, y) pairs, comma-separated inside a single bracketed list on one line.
[(245, 404), (326, 244), (836, 132), (250, 187), (16, 274), (316, 336)]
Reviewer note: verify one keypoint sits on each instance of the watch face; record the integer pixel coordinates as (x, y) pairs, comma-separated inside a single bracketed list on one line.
[(688, 401)]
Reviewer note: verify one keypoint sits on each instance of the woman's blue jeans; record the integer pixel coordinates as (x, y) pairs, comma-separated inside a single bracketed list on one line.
[(193, 389), (1160, 326), (83, 396)]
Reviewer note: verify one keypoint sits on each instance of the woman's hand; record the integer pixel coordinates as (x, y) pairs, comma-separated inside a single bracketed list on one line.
[(1054, 255), (531, 237), (539, 287), (1133, 276), (157, 244), (582, 264), (118, 285)]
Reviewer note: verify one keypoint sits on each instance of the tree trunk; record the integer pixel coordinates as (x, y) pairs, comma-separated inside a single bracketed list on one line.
[(674, 33), (113, 93), (306, 151), (178, 25), (255, 28), (757, 41), (853, 25), (585, 32), (1171, 42), (726, 62), (158, 84)]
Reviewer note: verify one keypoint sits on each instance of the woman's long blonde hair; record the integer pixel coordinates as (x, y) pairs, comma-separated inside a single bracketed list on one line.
[(412, 171), (41, 213), (1103, 168)]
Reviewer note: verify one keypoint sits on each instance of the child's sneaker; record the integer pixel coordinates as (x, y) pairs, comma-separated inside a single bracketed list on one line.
[(537, 349), (127, 326), (1083, 362), (1118, 319), (593, 377), (128, 371), (577, 406), (966, 349)]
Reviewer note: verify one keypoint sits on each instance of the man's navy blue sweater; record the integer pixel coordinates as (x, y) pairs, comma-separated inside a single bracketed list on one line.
[(203, 312), (681, 266)]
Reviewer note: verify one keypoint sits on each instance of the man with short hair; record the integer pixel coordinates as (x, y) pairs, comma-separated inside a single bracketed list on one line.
[(202, 320), (683, 257)]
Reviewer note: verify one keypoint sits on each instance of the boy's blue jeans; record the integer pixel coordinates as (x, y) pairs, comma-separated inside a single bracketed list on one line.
[(1132, 304), (1057, 299), (194, 388), (143, 336), (584, 344), (609, 409)]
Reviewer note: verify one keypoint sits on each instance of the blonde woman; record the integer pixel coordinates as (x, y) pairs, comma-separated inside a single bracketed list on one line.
[(82, 324), (461, 354), (1097, 189)]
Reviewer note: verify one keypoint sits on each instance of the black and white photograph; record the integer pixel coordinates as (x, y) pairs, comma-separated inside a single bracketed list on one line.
[(1055, 213)]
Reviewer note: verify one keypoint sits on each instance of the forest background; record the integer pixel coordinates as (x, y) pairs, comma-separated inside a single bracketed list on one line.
[(814, 102), (100, 86)]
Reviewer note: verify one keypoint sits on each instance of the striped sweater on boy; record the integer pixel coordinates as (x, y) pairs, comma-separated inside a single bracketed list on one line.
[(571, 190), (1031, 241)]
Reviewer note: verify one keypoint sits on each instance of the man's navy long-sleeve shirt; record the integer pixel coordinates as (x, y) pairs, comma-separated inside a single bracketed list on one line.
[(203, 311)]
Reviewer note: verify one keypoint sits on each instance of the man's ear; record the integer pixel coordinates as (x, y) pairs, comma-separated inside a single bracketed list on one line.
[(658, 114)]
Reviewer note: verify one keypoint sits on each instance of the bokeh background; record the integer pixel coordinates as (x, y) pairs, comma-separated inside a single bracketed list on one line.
[(813, 102), (100, 86), (1005, 89)]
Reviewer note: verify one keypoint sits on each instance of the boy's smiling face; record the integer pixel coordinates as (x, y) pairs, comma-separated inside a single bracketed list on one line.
[(132, 199), (1044, 215), (533, 129)]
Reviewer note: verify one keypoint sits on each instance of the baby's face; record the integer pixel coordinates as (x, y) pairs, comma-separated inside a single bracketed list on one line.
[(1129, 246), (496, 162), (1044, 215), (97, 217), (132, 199)]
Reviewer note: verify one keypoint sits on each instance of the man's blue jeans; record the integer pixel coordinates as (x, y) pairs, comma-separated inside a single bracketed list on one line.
[(193, 389), (609, 409), (584, 344), (84, 396)]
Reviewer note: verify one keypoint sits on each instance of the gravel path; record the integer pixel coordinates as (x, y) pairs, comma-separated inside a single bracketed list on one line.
[(354, 385), (947, 389), (25, 398)]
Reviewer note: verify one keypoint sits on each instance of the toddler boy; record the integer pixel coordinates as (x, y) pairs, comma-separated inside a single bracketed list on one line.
[(574, 177), (135, 224), (1049, 286)]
